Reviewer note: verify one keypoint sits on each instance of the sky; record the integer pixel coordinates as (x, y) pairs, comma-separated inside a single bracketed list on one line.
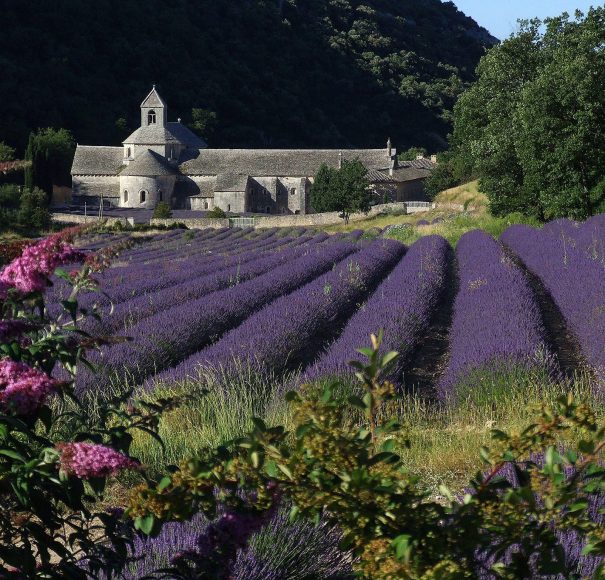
[(500, 16)]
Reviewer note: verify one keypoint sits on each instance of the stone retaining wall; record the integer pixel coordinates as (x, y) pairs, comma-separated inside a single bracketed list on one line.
[(69, 218), (193, 223)]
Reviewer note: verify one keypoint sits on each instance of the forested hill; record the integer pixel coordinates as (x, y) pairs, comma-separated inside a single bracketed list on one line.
[(297, 73)]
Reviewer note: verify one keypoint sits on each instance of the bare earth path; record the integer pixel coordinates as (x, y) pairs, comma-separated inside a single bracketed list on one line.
[(430, 359)]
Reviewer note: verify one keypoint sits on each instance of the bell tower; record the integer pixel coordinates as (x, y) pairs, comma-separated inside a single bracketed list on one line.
[(153, 110)]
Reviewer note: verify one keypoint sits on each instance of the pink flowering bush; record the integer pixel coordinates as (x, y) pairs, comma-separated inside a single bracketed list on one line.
[(56, 456), (23, 389), (86, 460), (31, 271)]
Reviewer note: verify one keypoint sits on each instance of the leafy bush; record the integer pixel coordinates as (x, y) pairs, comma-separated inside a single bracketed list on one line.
[(55, 458), (33, 210), (162, 211), (216, 212), (347, 473)]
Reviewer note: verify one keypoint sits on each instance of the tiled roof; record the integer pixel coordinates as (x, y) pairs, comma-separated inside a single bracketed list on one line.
[(418, 164), (375, 176), (153, 99), (187, 187), (410, 174), (231, 182), (278, 162), (172, 133), (149, 164), (93, 160)]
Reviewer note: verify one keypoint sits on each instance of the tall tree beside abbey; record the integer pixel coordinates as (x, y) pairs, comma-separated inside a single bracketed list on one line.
[(532, 127), (262, 73)]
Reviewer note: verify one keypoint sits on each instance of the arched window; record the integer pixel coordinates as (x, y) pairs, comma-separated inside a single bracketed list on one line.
[(143, 195), (128, 153), (268, 209), (125, 196), (293, 191), (160, 195), (205, 205), (229, 207), (172, 152), (151, 118)]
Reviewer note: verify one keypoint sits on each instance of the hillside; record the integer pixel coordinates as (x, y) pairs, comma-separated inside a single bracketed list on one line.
[(299, 73)]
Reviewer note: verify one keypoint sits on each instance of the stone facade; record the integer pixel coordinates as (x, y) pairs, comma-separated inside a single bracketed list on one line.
[(165, 161)]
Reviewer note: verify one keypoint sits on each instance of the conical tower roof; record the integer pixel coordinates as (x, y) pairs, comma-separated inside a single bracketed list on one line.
[(148, 164), (153, 99)]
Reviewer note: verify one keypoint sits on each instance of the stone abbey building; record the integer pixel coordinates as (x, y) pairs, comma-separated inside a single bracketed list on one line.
[(165, 161)]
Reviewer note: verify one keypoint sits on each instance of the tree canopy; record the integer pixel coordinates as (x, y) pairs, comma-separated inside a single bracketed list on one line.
[(533, 125), (344, 190), (51, 153), (293, 73)]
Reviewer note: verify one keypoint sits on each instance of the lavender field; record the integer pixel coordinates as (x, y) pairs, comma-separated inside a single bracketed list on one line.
[(282, 301), (484, 330)]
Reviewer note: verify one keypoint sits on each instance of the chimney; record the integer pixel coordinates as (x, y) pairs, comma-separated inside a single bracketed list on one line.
[(418, 157), (391, 169), (434, 158), (178, 120), (340, 160), (389, 153)]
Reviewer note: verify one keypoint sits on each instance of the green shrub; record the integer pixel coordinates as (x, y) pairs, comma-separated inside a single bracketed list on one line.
[(217, 212), (33, 210), (162, 211)]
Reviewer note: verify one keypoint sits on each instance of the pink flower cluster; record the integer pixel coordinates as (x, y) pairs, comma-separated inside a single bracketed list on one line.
[(30, 272), (22, 388), (86, 460)]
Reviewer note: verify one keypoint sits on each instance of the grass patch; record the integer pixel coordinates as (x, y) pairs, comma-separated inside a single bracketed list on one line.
[(467, 195), (445, 439), (220, 408), (453, 227)]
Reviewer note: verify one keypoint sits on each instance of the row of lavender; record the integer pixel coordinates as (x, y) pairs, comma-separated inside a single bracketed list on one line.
[(120, 284), (169, 336), (497, 323), (573, 278), (288, 331)]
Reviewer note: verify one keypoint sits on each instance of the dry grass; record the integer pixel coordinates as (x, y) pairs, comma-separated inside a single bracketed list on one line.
[(468, 194)]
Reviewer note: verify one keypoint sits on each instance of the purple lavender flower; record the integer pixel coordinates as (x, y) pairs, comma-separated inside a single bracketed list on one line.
[(165, 339), (281, 334), (497, 321), (403, 306), (573, 279)]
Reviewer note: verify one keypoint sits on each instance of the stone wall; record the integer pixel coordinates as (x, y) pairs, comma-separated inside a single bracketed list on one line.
[(96, 186), (193, 223), (68, 218), (201, 203)]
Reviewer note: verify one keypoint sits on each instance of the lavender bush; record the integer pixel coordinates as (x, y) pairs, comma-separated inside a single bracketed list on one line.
[(280, 549), (166, 338), (497, 323), (574, 281), (403, 306), (281, 334)]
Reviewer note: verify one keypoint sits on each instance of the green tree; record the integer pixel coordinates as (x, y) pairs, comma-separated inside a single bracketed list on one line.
[(203, 122), (7, 153), (51, 153), (532, 126), (33, 210), (344, 190), (162, 211), (216, 212), (412, 153)]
